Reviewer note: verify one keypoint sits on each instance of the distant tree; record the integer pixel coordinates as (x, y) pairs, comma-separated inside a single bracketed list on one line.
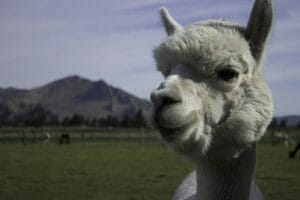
[(54, 121), (126, 121), (77, 120), (298, 125), (28, 115), (94, 122), (5, 112), (139, 120), (65, 121), (283, 124), (273, 125), (102, 122), (37, 117), (87, 121), (111, 121)]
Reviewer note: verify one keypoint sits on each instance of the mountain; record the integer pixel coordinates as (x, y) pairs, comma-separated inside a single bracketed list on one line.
[(74, 94), (70, 95)]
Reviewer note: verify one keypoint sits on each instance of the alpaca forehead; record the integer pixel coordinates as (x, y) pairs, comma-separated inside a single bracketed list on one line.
[(204, 45)]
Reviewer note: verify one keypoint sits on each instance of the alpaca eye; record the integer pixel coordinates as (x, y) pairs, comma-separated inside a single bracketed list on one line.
[(227, 74)]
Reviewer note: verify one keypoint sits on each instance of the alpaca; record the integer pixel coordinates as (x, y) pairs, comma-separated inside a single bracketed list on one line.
[(214, 104)]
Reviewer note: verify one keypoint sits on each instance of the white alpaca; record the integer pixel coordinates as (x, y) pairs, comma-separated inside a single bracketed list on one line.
[(214, 103)]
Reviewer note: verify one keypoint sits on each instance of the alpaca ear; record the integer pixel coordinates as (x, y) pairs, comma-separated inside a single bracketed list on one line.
[(259, 26), (169, 22)]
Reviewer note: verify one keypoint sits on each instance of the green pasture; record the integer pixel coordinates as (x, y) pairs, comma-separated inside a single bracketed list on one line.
[(122, 169)]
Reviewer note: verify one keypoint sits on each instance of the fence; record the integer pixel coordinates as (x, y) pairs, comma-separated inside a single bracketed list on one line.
[(61, 135)]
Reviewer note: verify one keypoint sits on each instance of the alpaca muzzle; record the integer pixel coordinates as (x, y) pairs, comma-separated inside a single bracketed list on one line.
[(170, 113)]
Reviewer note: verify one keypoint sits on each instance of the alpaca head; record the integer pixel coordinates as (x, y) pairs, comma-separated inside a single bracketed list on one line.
[(214, 101)]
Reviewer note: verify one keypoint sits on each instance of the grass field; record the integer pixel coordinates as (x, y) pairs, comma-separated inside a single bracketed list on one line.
[(121, 170)]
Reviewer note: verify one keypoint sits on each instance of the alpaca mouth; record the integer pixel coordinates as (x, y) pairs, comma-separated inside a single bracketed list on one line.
[(170, 134), (172, 117)]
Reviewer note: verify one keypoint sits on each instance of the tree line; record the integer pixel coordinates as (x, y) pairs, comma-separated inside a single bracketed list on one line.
[(280, 125), (39, 117)]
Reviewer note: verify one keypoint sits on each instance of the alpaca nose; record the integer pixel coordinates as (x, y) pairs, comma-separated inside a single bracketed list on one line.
[(165, 96)]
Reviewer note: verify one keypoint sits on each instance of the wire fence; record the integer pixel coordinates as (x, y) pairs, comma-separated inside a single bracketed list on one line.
[(67, 135), (62, 135)]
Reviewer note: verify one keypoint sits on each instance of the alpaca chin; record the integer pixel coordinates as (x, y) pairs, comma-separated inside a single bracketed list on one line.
[(176, 117), (193, 143), (192, 139)]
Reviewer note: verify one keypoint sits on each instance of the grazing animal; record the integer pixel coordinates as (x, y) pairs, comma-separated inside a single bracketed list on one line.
[(65, 139), (294, 152), (280, 137), (47, 138), (214, 104)]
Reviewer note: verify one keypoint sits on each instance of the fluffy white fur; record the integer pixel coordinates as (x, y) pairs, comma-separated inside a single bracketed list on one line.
[(199, 112)]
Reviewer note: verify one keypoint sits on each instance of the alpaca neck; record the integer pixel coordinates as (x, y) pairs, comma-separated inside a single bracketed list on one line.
[(231, 180)]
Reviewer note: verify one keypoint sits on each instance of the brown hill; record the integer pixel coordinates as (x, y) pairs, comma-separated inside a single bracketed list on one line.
[(71, 95)]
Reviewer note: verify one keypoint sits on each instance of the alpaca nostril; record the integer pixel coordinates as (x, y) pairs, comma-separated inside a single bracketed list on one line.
[(163, 97), (167, 100)]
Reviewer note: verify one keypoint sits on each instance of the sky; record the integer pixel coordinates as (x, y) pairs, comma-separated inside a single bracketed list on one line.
[(45, 40)]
